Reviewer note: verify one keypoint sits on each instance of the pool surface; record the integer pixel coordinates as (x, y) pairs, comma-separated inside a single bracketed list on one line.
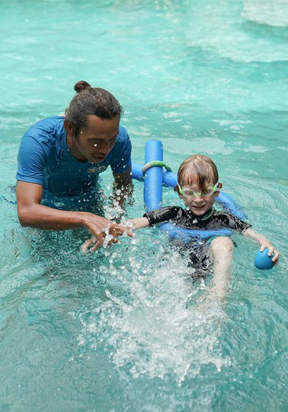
[(123, 330)]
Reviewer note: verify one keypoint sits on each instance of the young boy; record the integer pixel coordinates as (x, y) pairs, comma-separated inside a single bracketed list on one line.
[(198, 186)]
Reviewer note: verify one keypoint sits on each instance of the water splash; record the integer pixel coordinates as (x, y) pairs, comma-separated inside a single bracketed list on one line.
[(155, 329)]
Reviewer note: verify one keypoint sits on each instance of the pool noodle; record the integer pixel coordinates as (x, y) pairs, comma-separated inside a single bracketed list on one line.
[(153, 176)]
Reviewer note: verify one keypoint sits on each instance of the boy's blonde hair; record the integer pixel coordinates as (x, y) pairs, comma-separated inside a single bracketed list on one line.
[(198, 169)]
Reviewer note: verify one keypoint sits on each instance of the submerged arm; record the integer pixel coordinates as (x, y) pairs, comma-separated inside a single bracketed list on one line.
[(122, 186)]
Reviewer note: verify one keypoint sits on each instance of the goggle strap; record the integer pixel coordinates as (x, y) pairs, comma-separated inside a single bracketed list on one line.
[(180, 189)]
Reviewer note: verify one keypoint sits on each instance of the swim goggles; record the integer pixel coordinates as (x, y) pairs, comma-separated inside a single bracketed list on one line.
[(188, 192)]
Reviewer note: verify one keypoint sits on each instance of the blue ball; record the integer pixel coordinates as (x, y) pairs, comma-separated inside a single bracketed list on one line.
[(263, 261)]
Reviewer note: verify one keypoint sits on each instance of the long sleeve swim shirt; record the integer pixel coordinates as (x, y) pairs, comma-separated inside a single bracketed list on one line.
[(211, 220)]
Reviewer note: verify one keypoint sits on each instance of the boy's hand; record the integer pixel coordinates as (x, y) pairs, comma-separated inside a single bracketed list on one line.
[(264, 244), (272, 251)]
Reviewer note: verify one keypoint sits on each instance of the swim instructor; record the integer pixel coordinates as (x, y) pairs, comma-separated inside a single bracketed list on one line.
[(62, 156)]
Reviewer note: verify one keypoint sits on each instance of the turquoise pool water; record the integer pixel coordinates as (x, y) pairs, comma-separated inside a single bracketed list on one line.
[(122, 330)]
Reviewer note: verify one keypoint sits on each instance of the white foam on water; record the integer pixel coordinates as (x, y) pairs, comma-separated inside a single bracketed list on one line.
[(269, 12), (162, 328)]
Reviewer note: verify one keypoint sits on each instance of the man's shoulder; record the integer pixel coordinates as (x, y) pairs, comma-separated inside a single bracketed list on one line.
[(50, 126), (122, 136), (122, 146)]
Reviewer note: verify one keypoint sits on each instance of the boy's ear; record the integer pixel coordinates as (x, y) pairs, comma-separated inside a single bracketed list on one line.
[(176, 189), (217, 193)]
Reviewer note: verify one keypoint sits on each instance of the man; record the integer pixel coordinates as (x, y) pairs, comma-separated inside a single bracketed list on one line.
[(62, 157)]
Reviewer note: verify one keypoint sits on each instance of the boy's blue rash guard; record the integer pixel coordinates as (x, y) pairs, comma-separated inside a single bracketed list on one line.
[(44, 158)]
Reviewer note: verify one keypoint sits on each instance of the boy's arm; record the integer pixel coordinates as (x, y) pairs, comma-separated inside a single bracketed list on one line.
[(155, 216), (263, 242), (139, 222)]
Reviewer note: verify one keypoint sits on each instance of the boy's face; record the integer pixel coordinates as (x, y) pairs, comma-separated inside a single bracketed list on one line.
[(198, 203)]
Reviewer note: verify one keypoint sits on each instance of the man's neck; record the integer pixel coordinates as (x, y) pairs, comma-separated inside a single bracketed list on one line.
[(72, 146)]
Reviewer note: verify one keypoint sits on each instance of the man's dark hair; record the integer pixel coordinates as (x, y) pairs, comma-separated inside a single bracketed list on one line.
[(91, 101)]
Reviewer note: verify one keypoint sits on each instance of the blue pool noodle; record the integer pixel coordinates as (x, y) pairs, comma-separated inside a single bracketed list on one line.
[(154, 176), (185, 235)]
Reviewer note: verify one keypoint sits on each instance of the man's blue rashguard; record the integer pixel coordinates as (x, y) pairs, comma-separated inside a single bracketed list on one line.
[(44, 158)]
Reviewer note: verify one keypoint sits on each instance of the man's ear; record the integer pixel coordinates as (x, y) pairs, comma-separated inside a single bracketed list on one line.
[(68, 126)]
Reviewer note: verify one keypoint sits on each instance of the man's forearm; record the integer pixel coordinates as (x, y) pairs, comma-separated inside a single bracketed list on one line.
[(46, 218)]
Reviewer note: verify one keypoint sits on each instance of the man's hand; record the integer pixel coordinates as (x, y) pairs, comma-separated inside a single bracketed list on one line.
[(108, 234), (100, 227)]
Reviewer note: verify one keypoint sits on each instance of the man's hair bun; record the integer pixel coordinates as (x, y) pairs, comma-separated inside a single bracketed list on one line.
[(91, 101), (82, 85)]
